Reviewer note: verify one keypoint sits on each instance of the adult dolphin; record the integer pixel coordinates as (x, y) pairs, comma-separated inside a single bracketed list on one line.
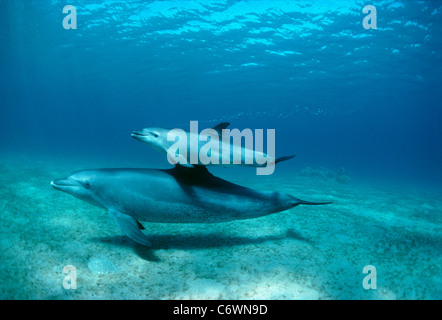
[(178, 195), (222, 151)]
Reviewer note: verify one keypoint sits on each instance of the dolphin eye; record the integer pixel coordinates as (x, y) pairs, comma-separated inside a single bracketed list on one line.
[(154, 134), (87, 185)]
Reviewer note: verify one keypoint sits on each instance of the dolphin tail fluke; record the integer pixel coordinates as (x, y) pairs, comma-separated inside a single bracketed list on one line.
[(312, 203), (284, 158), (297, 202)]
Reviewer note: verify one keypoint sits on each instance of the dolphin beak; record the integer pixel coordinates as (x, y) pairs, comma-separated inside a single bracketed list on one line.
[(138, 135), (62, 184)]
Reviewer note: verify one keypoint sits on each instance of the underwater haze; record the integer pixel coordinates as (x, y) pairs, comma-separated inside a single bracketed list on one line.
[(360, 108)]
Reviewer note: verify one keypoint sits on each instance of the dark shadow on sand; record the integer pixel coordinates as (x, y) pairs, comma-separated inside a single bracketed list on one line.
[(192, 242)]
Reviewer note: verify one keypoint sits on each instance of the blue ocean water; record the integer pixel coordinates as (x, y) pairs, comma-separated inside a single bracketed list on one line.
[(337, 94)]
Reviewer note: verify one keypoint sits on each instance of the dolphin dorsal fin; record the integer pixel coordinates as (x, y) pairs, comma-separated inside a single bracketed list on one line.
[(219, 127), (194, 171)]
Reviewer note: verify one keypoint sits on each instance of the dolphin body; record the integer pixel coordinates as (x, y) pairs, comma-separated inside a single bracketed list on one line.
[(178, 195), (157, 138)]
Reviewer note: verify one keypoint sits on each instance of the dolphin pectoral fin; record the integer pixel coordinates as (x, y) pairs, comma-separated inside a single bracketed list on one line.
[(140, 226), (130, 227)]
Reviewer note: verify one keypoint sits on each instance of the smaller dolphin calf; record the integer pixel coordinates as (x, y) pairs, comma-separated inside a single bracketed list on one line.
[(178, 195), (210, 147)]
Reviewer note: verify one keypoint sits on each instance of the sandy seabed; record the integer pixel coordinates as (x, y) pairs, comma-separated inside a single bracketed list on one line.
[(308, 252)]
